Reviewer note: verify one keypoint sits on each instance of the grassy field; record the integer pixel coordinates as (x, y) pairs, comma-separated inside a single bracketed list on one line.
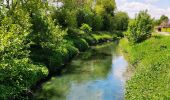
[(151, 61), (165, 29)]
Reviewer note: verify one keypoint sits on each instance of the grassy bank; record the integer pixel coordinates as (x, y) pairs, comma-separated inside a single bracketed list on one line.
[(150, 59)]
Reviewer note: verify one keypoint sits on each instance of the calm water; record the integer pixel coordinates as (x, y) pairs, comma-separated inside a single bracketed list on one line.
[(97, 74)]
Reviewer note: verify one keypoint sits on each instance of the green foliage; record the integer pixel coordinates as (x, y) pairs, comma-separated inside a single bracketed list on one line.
[(85, 16), (97, 22), (45, 37), (17, 73), (75, 32), (151, 78), (108, 22), (32, 42), (63, 54), (79, 43), (90, 39), (163, 18), (65, 17), (86, 28), (121, 20), (102, 37), (108, 5), (141, 28)]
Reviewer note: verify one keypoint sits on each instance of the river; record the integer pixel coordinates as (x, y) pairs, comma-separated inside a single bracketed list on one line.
[(97, 74)]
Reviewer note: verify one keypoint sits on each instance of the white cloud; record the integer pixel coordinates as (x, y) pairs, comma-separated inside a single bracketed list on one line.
[(134, 7), (151, 1)]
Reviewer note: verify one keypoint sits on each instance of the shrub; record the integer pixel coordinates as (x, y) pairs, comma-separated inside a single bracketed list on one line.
[(17, 72), (102, 37), (86, 28), (140, 29), (74, 32), (90, 39), (79, 43), (45, 37)]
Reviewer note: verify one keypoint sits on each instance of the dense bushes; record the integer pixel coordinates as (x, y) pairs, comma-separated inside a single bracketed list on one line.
[(150, 61), (140, 28), (17, 72), (17, 76)]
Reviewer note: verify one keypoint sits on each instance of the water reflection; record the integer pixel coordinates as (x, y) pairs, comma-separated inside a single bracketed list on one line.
[(111, 88), (94, 75)]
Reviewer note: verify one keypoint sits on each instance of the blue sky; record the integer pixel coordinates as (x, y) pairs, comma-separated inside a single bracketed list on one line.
[(155, 7)]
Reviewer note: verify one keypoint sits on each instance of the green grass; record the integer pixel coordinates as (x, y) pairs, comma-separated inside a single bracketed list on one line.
[(151, 61), (165, 29)]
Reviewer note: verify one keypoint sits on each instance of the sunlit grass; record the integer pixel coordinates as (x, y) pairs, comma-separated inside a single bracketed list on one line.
[(151, 60)]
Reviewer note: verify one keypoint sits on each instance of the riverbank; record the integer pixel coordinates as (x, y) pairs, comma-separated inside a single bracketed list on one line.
[(150, 61)]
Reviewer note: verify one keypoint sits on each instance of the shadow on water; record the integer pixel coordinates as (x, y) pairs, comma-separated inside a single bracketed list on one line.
[(93, 75)]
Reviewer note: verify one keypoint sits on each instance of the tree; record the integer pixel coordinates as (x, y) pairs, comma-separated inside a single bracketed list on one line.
[(140, 28), (18, 73), (121, 20), (164, 18), (85, 15), (97, 22), (106, 8)]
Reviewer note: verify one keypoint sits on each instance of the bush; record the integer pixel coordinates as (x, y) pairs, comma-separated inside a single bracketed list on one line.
[(90, 39), (62, 55), (74, 32), (45, 37), (86, 28), (79, 43), (17, 76), (102, 37), (140, 29), (17, 72)]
